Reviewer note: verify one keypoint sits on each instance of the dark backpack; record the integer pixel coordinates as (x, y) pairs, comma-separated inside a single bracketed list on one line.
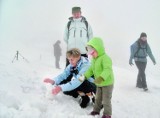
[(139, 47), (85, 22)]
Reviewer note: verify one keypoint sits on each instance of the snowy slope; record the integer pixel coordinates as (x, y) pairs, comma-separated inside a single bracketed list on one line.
[(22, 94), (26, 27)]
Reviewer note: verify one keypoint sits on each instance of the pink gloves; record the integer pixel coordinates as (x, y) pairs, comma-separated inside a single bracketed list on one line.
[(56, 90), (48, 80)]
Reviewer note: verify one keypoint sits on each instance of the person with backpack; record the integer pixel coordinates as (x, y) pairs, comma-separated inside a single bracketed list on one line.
[(78, 65), (139, 52), (77, 32)]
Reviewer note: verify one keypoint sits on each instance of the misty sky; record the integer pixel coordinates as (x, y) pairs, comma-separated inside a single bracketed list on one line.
[(119, 22)]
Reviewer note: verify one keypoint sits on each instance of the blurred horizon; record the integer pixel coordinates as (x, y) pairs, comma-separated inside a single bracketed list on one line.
[(34, 26)]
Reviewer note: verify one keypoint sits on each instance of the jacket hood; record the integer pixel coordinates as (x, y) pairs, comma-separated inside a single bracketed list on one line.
[(97, 44)]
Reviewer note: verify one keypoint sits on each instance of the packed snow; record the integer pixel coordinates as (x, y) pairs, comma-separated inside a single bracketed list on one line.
[(31, 30), (24, 95)]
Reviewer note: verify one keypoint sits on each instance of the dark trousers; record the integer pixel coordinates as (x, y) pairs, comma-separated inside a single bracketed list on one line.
[(57, 59), (141, 77), (85, 87)]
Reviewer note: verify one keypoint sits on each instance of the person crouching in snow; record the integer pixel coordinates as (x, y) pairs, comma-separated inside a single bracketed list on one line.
[(74, 87), (101, 68)]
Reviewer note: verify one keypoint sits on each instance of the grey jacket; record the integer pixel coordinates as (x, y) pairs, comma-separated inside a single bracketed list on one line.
[(139, 52)]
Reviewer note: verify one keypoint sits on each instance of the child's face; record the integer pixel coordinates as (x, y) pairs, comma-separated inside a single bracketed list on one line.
[(95, 54), (91, 51)]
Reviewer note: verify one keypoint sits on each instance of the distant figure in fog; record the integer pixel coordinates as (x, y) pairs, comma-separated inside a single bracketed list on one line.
[(57, 53), (139, 52)]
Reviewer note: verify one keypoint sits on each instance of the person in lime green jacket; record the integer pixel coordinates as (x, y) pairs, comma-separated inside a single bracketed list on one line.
[(101, 68)]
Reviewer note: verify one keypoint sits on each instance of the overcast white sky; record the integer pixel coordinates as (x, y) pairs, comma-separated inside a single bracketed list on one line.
[(118, 22)]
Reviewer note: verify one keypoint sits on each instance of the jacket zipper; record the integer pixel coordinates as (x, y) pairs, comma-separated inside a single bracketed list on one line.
[(81, 33), (74, 33)]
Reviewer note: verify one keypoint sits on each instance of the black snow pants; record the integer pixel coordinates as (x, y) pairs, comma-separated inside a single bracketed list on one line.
[(141, 77)]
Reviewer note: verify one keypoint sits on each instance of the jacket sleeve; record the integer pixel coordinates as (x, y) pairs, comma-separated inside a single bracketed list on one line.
[(74, 83), (85, 68), (88, 73), (133, 49), (62, 76), (131, 53), (66, 35), (107, 68), (90, 32), (149, 52)]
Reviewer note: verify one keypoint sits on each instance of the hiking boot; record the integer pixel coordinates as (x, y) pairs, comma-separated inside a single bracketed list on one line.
[(93, 113), (145, 89), (85, 101), (139, 86), (106, 116)]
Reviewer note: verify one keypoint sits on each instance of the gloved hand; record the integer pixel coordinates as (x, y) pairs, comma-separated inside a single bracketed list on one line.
[(48, 80), (130, 62), (56, 90), (81, 78), (98, 80)]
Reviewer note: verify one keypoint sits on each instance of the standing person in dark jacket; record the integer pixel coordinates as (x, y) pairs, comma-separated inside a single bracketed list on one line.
[(139, 52), (57, 53)]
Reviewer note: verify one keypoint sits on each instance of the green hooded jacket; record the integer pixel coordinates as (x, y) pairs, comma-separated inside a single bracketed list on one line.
[(101, 66)]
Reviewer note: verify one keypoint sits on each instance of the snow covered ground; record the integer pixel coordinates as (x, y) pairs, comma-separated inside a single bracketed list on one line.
[(32, 26), (23, 93)]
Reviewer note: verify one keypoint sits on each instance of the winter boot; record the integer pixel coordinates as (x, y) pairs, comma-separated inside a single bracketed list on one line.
[(106, 116), (93, 113), (85, 101), (139, 85), (145, 89)]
